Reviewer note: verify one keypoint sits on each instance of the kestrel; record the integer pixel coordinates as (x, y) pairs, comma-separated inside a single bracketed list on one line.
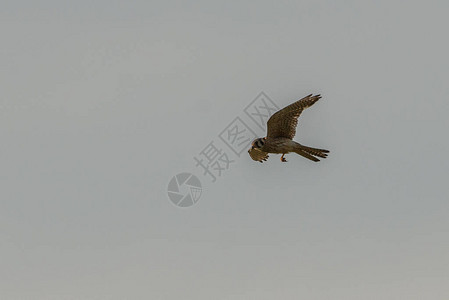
[(281, 128)]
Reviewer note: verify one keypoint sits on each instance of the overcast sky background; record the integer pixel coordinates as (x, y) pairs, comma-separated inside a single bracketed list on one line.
[(102, 102)]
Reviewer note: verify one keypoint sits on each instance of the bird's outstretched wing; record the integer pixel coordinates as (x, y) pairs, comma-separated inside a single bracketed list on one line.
[(258, 155), (283, 123)]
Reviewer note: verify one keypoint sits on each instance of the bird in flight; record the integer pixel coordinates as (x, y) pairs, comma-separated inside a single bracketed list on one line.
[(281, 128)]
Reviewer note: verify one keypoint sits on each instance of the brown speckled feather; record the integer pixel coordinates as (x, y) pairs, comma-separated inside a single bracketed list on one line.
[(258, 155), (283, 123)]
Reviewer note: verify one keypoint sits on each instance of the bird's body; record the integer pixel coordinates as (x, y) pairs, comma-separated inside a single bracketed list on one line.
[(279, 145), (280, 132)]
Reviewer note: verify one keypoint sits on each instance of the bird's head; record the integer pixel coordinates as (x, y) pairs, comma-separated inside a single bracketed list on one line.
[(258, 143)]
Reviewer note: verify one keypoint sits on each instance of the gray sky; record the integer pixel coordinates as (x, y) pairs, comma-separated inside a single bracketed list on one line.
[(103, 103)]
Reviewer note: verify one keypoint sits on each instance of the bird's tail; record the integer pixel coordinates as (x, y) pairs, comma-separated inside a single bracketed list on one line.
[(310, 153)]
